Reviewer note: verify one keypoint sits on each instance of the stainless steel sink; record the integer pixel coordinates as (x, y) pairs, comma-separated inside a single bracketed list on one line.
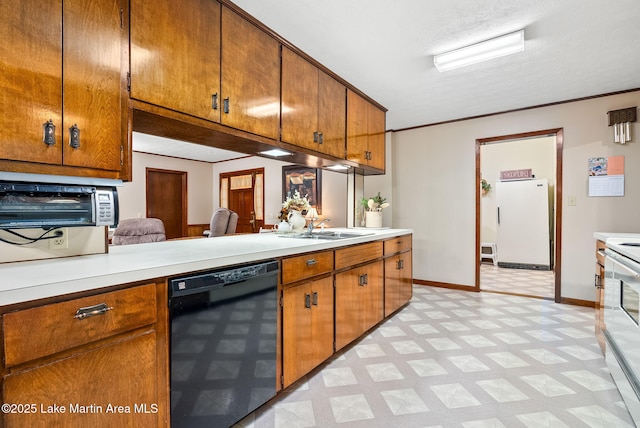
[(328, 235)]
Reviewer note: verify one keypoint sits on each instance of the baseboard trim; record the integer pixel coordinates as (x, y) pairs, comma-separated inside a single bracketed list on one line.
[(563, 300), (444, 285), (578, 302)]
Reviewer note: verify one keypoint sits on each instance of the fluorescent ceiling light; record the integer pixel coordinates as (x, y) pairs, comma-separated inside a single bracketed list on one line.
[(339, 167), (489, 49), (275, 153)]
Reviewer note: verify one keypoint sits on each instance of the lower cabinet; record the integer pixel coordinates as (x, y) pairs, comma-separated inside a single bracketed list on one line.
[(99, 360), (307, 336), (110, 386), (359, 301), (599, 303), (398, 282)]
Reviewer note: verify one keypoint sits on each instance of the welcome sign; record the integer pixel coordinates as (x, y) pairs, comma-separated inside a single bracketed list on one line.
[(516, 174)]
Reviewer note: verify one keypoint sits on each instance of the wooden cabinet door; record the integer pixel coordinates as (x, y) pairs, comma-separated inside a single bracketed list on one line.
[(359, 301), (175, 56), (322, 304), (123, 373), (250, 77), (365, 132), (391, 285), (84, 38), (599, 306), (332, 106), (93, 35), (372, 295), (376, 137), (406, 278), (348, 307), (299, 101), (357, 132), (307, 327), (30, 83)]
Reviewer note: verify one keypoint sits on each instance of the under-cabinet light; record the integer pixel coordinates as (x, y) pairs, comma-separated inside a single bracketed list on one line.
[(275, 153), (339, 167), (489, 49)]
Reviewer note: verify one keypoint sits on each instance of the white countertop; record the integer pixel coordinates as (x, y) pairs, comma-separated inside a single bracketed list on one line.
[(33, 280), (603, 236)]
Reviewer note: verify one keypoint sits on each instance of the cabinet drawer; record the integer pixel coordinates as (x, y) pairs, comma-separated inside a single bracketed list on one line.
[(306, 266), (347, 257), (397, 245), (34, 333)]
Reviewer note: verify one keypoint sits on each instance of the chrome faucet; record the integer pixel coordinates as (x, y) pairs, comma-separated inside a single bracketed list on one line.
[(311, 226)]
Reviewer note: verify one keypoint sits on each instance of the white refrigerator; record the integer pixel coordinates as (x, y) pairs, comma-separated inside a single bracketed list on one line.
[(523, 229)]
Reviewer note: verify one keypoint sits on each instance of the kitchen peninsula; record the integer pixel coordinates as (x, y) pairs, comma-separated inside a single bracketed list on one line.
[(94, 330)]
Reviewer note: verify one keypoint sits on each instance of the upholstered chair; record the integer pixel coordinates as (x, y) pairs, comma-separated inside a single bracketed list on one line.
[(223, 222), (138, 231)]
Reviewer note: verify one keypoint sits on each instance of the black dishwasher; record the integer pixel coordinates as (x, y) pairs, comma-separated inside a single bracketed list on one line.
[(223, 344)]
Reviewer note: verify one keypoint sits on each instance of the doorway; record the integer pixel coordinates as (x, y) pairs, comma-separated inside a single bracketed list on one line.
[(242, 192), (554, 291), (167, 200)]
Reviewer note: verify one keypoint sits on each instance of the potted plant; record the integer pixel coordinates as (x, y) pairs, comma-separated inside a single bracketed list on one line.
[(373, 210), (485, 186)]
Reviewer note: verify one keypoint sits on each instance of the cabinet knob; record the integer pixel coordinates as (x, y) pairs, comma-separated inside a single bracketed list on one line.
[(214, 101), (307, 301), (74, 136), (225, 105), (311, 262), (315, 136), (314, 300), (320, 138), (49, 133)]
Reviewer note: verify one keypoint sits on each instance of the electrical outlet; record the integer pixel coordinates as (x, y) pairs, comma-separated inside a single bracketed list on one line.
[(61, 240)]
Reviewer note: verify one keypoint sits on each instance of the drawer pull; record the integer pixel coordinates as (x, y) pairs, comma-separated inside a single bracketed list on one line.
[(311, 262), (92, 311)]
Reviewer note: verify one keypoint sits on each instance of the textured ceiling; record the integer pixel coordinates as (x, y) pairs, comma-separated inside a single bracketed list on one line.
[(573, 49)]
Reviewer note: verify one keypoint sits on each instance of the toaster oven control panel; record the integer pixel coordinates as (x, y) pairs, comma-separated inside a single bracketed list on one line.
[(105, 207)]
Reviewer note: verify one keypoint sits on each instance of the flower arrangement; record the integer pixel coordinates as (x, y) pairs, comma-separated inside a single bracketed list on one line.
[(296, 203), (377, 203)]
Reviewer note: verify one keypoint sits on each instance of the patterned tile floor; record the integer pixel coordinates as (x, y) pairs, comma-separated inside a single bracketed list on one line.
[(460, 359), (539, 283)]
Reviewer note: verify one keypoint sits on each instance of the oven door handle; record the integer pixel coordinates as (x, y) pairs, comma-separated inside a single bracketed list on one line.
[(629, 271)]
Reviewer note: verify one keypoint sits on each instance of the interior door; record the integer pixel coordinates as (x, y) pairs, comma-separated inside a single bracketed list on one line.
[(167, 200), (242, 192)]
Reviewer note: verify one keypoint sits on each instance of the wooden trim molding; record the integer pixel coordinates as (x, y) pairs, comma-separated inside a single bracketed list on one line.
[(578, 302), (445, 285), (557, 256)]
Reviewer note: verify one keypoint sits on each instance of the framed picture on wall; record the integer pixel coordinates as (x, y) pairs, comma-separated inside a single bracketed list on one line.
[(307, 181)]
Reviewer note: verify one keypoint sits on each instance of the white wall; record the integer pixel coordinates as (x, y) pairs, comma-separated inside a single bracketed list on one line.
[(334, 188), (434, 188), (199, 178), (538, 154)]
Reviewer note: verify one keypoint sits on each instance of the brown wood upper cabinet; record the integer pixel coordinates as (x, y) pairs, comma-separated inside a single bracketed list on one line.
[(313, 107), (365, 132), (207, 61), (175, 56), (52, 119), (250, 77)]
